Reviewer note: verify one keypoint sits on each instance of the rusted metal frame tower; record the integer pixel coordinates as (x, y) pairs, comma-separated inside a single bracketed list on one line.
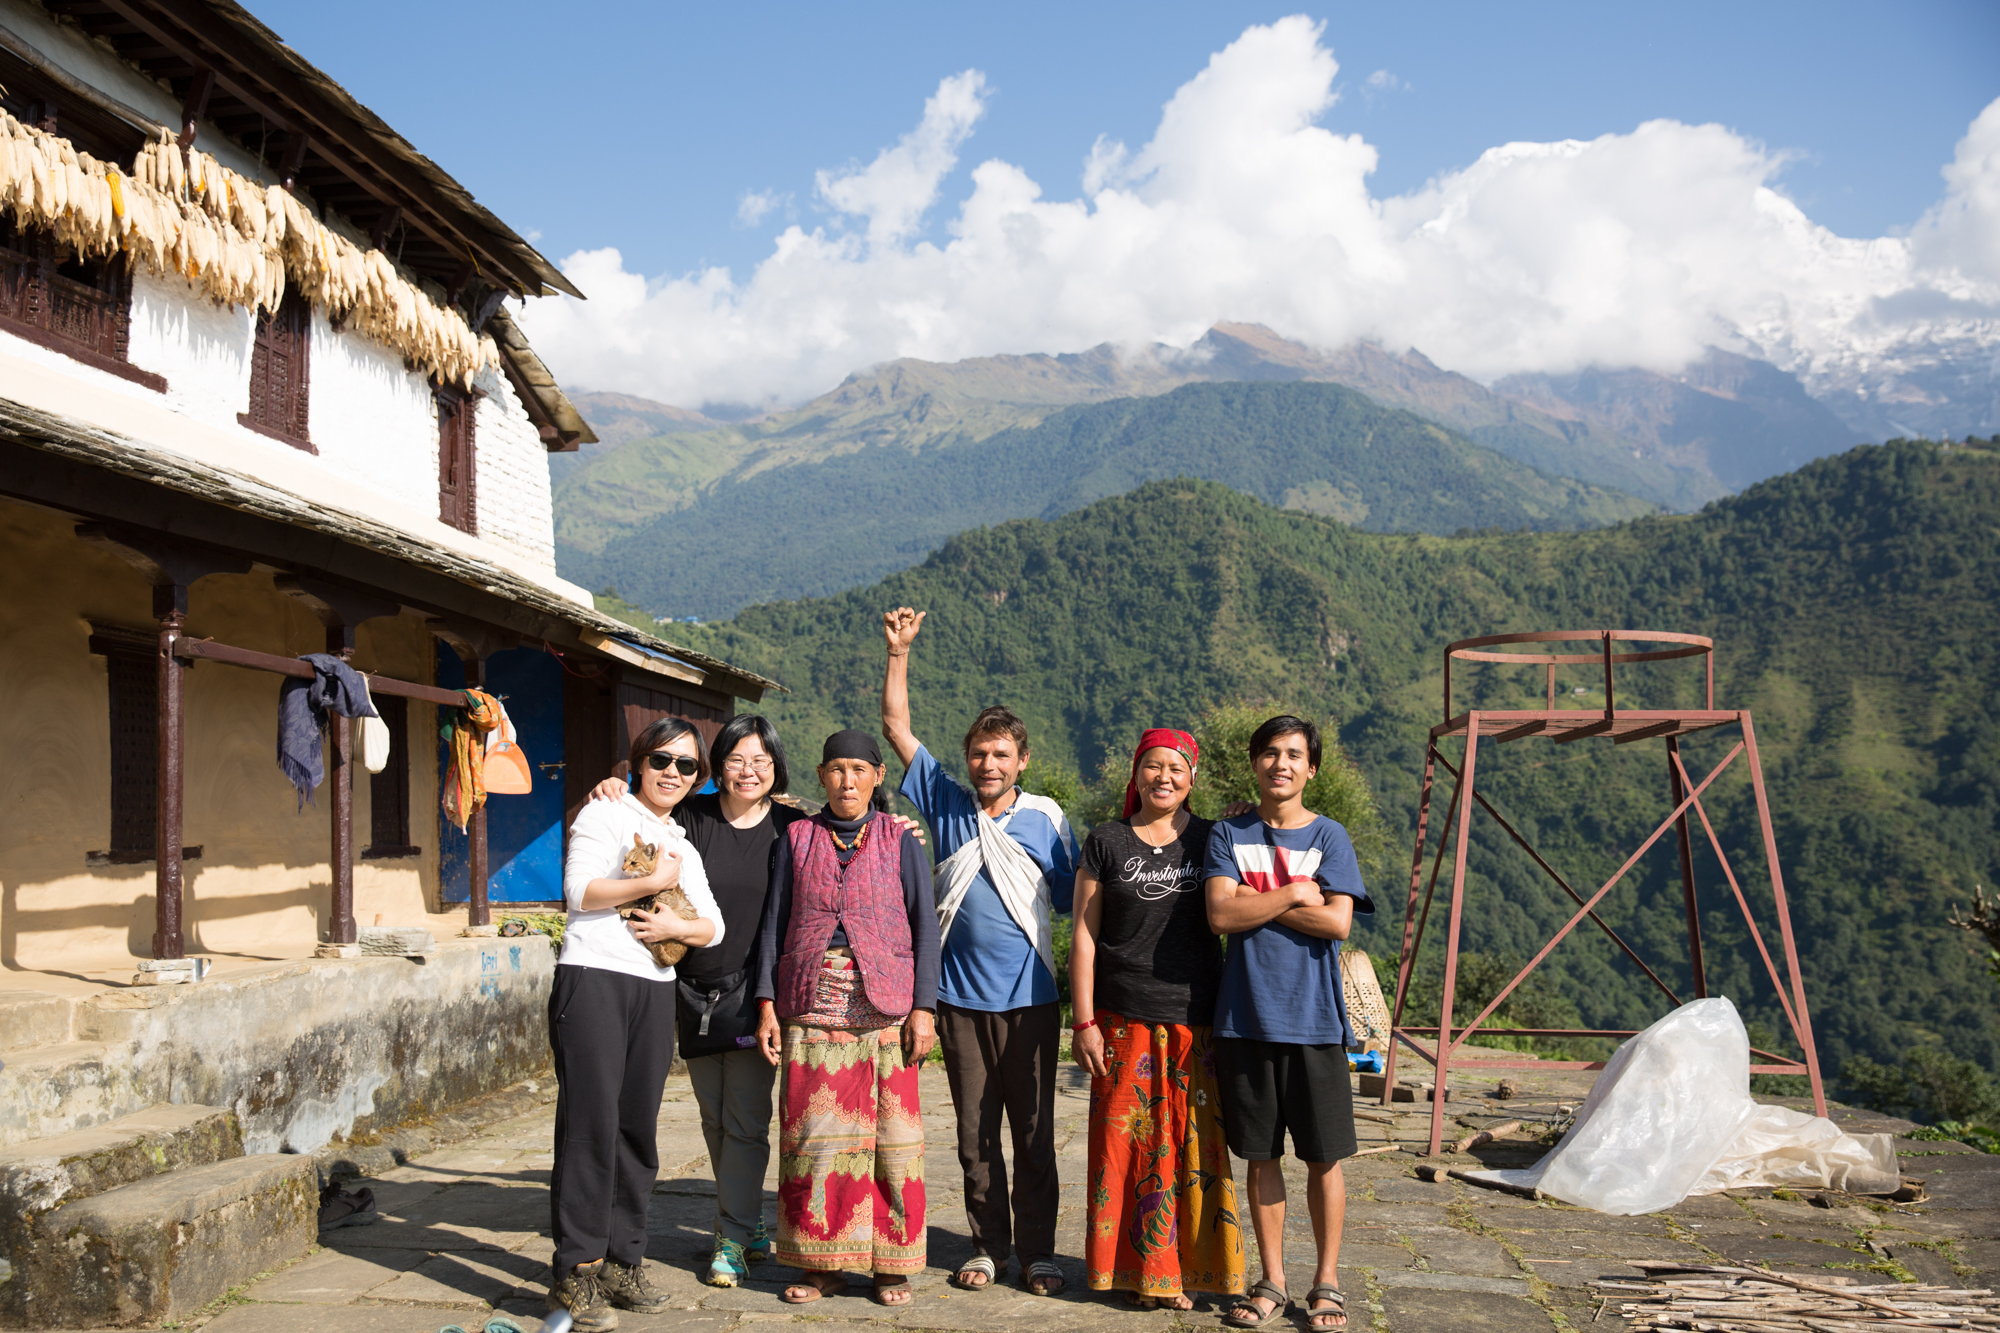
[(1564, 726)]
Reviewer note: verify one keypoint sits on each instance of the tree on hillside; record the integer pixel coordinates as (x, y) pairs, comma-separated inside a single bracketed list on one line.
[(1985, 920)]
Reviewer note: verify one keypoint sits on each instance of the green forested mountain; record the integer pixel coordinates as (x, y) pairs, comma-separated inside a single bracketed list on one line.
[(828, 525), (1854, 607)]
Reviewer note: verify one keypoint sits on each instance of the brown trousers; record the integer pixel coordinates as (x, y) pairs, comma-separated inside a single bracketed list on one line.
[(1006, 1063)]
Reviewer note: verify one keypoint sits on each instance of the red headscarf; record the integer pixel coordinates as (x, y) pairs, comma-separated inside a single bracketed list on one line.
[(1158, 738)]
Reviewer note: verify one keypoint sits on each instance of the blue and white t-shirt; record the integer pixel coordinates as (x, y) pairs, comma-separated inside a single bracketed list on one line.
[(1277, 984), (988, 962)]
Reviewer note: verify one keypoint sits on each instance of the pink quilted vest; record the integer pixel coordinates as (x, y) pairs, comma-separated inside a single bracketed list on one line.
[(866, 898)]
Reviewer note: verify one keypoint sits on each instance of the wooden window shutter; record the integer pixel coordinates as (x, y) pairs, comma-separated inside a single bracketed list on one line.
[(132, 667), (389, 790), (82, 308), (458, 472), (280, 383)]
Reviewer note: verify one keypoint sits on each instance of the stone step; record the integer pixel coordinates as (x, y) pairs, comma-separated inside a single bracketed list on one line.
[(33, 1018), (38, 1177), (44, 1174), (47, 1090), (162, 1248)]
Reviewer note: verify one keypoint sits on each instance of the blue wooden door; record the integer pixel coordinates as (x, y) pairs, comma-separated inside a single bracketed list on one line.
[(524, 834)]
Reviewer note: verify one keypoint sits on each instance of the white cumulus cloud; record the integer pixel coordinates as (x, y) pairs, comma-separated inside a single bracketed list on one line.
[(1641, 249), (756, 205)]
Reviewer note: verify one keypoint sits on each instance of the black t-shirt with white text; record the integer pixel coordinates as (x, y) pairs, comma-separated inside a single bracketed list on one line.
[(1157, 960)]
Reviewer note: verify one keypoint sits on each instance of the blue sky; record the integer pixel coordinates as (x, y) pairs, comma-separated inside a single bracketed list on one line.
[(643, 125)]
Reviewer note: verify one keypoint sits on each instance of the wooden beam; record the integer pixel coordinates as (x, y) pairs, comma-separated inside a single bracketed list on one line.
[(610, 647), (196, 105), (295, 156), (207, 650), (1666, 728), (385, 226)]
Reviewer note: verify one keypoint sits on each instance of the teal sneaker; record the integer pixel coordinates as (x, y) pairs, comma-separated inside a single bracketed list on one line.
[(728, 1267), (759, 1248)]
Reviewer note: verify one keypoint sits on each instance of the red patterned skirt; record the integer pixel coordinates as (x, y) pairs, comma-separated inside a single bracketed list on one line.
[(1161, 1214), (850, 1135)]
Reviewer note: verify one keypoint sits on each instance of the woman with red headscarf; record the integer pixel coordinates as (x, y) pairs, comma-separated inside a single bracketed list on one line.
[(1144, 971)]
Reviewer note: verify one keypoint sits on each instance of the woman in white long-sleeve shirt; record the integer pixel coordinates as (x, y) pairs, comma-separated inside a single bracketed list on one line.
[(611, 1022)]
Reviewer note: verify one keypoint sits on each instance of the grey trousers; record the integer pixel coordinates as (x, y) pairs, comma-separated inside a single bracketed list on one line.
[(734, 1092)]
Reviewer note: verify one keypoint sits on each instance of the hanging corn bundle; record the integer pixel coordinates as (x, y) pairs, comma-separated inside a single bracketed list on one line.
[(238, 241)]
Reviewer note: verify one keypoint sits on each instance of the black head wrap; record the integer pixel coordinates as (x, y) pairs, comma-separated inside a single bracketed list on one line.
[(851, 744)]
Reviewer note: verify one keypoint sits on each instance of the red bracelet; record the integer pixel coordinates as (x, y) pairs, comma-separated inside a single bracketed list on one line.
[(1078, 1027)]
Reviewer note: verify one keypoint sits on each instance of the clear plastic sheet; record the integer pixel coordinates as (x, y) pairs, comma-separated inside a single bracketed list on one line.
[(1671, 1115)]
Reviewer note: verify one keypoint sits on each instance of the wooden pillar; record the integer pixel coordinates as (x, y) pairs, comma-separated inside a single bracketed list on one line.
[(170, 608), (340, 927), (478, 912), (339, 609)]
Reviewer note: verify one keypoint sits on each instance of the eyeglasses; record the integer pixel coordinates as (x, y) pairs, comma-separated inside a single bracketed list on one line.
[(659, 761), (761, 764)]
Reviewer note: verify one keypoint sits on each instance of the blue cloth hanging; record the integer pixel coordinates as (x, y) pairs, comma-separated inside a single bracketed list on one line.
[(303, 706)]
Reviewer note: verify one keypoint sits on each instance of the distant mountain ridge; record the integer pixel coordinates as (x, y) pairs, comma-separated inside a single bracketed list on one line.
[(1677, 442), (816, 527), (1736, 419)]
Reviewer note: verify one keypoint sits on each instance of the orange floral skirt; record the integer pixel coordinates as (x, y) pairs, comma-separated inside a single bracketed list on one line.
[(1162, 1207)]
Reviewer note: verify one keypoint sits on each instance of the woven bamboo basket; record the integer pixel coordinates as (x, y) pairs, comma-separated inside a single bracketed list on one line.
[(1367, 1012)]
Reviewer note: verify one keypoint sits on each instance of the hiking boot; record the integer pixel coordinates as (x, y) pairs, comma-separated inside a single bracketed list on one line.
[(630, 1288), (759, 1247), (729, 1266), (581, 1292)]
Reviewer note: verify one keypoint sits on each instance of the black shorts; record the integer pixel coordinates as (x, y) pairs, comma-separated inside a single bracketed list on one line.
[(1269, 1087)]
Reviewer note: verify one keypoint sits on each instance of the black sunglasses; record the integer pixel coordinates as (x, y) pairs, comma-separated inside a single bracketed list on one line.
[(659, 761)]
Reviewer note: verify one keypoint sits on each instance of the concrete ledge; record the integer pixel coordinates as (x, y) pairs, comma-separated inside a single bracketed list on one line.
[(49, 1090), (161, 1249), (32, 1018), (303, 1052)]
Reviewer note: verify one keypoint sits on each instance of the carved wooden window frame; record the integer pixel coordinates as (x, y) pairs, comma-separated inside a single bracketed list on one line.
[(281, 374), (458, 457), (79, 307), (389, 790)]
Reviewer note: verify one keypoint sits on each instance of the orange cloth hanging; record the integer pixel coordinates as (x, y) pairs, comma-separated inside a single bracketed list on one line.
[(465, 729)]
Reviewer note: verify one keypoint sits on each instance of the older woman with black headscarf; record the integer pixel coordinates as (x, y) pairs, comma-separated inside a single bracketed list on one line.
[(847, 967)]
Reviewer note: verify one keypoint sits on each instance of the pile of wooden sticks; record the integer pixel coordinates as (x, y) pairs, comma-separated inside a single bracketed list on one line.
[(1725, 1299)]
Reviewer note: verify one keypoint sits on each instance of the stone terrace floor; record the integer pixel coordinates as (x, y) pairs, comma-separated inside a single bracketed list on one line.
[(464, 1234)]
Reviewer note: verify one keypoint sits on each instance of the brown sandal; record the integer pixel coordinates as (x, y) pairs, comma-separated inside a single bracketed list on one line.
[(895, 1282), (813, 1289)]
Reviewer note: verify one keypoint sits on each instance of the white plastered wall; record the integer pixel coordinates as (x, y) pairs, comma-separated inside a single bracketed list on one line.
[(516, 504), (373, 421)]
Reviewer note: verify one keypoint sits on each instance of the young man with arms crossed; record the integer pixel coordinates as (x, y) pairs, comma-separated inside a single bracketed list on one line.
[(1007, 864), (1283, 884)]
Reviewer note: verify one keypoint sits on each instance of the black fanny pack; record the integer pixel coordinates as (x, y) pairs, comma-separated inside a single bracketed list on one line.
[(715, 1017)]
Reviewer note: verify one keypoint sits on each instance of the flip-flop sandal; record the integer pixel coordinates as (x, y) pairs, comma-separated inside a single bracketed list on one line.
[(1045, 1279), (814, 1288), (1326, 1291), (899, 1284), (1268, 1290), (978, 1263)]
